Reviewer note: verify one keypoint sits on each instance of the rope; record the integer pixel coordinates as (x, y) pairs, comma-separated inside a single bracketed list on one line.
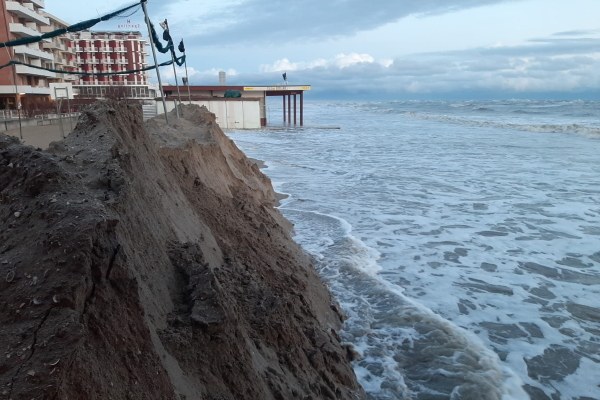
[(72, 28), (179, 61)]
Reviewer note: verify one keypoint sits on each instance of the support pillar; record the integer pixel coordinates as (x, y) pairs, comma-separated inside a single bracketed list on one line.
[(301, 108), (294, 108), (283, 98), (289, 108)]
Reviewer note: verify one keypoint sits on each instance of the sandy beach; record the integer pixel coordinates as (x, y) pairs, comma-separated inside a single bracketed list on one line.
[(41, 136)]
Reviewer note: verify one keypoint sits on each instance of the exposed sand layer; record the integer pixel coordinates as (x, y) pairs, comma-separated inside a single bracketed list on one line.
[(149, 263)]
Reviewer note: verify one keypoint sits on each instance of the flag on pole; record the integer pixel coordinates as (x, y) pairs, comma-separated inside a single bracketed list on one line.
[(181, 47), (284, 76)]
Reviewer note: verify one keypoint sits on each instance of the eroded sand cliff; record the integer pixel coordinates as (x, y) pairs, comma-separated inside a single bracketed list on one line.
[(146, 261)]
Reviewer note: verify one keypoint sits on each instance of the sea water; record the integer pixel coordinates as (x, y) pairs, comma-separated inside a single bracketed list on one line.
[(462, 240)]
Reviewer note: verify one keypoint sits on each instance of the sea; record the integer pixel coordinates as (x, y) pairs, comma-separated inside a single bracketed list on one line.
[(461, 238)]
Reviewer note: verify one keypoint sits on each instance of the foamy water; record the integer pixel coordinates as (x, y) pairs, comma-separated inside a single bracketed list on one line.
[(462, 240)]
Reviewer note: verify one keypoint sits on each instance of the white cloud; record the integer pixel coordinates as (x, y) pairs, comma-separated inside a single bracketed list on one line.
[(345, 60), (339, 61), (280, 65)]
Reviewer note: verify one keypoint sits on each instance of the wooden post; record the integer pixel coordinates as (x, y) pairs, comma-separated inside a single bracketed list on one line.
[(283, 98), (294, 108)]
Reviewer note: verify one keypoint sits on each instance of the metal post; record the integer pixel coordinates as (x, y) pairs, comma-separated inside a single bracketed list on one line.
[(19, 114), (59, 113), (176, 84), (70, 116), (17, 100), (283, 98), (187, 79), (162, 92), (174, 74)]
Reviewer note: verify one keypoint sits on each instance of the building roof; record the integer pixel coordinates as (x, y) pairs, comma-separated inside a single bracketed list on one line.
[(274, 90)]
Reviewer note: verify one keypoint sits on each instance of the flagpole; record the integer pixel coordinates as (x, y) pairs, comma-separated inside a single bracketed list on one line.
[(181, 49), (174, 71), (187, 79), (162, 92)]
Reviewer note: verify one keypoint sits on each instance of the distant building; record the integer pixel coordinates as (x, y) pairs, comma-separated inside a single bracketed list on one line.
[(241, 107), (86, 51), (107, 51), (61, 48), (22, 85)]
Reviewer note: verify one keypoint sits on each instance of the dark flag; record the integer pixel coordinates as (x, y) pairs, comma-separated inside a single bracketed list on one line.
[(181, 47), (166, 34), (284, 76)]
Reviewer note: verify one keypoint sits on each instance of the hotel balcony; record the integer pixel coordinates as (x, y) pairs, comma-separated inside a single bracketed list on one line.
[(10, 89), (56, 45), (31, 52), (50, 45), (39, 3), (22, 30), (25, 70), (26, 13)]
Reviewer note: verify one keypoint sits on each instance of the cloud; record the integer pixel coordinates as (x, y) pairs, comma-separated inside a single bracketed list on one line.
[(543, 65), (339, 61), (279, 21)]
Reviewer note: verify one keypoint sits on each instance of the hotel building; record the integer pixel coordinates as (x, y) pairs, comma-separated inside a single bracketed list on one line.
[(110, 51), (22, 85)]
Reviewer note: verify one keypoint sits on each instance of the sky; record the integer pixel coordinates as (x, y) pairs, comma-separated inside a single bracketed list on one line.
[(388, 49)]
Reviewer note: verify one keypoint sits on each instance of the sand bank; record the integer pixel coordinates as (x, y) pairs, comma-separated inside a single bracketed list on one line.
[(146, 261)]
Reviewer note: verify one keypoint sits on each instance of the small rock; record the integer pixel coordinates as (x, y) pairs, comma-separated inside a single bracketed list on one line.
[(10, 276), (17, 214), (10, 165), (31, 372)]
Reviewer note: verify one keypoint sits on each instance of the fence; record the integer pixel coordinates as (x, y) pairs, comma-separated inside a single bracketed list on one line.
[(42, 119)]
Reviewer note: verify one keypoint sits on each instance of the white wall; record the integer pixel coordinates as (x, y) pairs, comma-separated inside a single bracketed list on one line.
[(231, 114)]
